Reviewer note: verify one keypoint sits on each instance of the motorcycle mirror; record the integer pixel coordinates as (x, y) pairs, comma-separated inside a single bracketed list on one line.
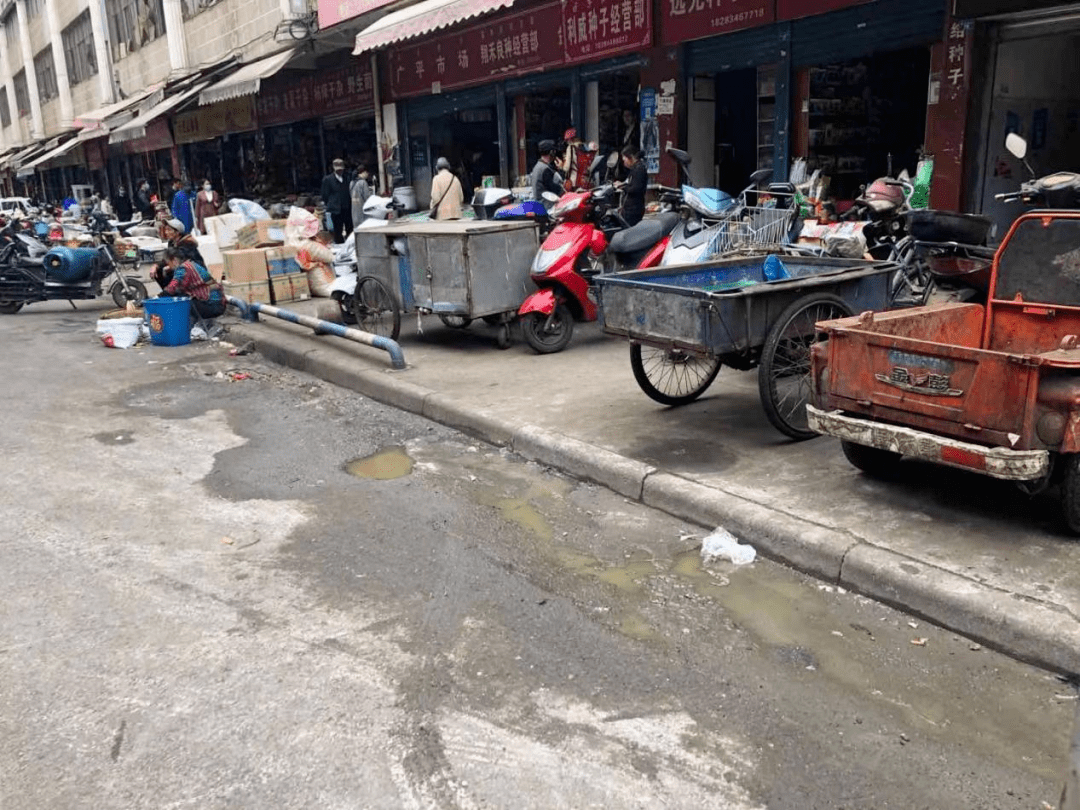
[(760, 176), (1016, 145), (679, 155)]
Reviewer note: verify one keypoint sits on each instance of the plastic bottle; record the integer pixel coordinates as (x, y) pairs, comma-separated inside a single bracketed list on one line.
[(774, 268)]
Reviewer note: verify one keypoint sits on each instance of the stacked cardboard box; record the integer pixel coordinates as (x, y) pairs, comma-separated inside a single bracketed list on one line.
[(281, 261), (264, 233), (289, 287), (223, 229), (246, 275)]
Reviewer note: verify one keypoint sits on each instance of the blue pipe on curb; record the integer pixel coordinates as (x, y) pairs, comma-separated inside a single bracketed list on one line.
[(250, 312)]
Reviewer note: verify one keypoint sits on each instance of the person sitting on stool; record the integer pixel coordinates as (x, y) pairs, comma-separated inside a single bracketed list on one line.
[(196, 282), (175, 234)]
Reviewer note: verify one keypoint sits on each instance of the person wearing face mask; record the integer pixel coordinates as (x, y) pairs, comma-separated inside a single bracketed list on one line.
[(122, 205), (337, 201), (207, 204)]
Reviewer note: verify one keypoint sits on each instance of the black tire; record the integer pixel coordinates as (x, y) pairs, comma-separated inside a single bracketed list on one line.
[(502, 337), (10, 307), (555, 337), (672, 376), (784, 371), (871, 460), (375, 309), (1070, 491), (455, 321), (120, 296)]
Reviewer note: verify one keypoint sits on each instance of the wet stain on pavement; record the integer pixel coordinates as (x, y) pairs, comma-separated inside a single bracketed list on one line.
[(115, 437), (523, 513), (387, 464)]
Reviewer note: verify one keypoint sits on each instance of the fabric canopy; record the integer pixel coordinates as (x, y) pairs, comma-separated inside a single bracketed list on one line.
[(95, 119), (246, 80), (422, 18), (19, 158), (62, 149), (136, 128)]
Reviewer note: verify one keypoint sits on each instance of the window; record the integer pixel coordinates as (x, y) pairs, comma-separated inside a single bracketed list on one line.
[(192, 7), (79, 54), (45, 69), (5, 111), (133, 23), (22, 94), (34, 8), (11, 30)]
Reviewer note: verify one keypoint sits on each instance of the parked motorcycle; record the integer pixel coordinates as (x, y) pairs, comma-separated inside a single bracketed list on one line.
[(700, 209)]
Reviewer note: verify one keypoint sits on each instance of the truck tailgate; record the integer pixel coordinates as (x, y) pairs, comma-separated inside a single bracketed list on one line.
[(958, 389)]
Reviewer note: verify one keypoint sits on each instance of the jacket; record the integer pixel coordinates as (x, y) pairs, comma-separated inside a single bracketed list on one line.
[(206, 207), (543, 179), (447, 194), (633, 207), (335, 193)]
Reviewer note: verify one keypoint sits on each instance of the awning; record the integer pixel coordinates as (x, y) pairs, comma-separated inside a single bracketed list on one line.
[(96, 119), (62, 149), (246, 80), (423, 18), (136, 127), (23, 155)]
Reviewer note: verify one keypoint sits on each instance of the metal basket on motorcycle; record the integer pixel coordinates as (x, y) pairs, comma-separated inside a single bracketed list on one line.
[(760, 227)]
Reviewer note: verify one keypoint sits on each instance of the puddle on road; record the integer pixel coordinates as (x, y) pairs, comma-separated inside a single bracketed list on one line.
[(393, 462), (523, 513)]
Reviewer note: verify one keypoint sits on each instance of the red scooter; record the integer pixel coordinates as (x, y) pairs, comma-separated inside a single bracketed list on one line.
[(590, 238)]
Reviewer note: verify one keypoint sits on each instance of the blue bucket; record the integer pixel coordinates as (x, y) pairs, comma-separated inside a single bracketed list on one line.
[(169, 320)]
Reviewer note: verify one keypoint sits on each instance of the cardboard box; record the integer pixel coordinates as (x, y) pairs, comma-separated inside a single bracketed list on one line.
[(216, 270), (223, 229), (245, 265), (290, 287), (251, 292), (281, 261), (210, 250), (264, 233)]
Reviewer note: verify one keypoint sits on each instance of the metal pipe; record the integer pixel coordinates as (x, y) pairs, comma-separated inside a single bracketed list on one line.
[(251, 311)]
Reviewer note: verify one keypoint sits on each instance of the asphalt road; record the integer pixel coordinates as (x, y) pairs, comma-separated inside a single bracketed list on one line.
[(230, 585)]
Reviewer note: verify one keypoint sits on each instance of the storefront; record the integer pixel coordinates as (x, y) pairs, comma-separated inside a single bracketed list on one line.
[(1029, 83), (846, 90), (484, 95), (314, 117), (218, 143)]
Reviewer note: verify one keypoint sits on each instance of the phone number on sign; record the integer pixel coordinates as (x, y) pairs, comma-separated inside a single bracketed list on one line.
[(742, 16)]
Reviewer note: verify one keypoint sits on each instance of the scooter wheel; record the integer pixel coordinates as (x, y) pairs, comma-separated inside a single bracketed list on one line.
[(120, 296), (548, 334), (10, 307)]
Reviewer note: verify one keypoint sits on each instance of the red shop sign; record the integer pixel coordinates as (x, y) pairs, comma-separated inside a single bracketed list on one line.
[(349, 88), (508, 45), (693, 19), (593, 28)]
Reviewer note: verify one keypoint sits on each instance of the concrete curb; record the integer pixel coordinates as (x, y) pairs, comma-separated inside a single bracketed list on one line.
[(1040, 632)]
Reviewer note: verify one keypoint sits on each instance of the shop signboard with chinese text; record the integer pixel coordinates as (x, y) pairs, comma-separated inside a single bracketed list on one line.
[(593, 28), (684, 20), (332, 12), (215, 120), (507, 45), (157, 137), (346, 89)]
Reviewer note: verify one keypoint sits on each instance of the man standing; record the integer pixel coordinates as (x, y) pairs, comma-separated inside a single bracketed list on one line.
[(446, 193), (543, 173), (122, 205), (336, 200), (181, 205)]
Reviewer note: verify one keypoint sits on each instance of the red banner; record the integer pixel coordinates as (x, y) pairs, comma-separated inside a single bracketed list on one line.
[(345, 89), (593, 28), (512, 44), (693, 19)]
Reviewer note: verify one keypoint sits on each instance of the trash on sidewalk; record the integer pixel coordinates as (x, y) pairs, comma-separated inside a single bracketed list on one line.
[(121, 333), (919, 642), (247, 348), (722, 543)]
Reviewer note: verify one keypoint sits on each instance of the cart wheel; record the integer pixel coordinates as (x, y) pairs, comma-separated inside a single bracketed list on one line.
[(10, 307), (120, 296), (374, 308), (493, 320), (545, 337), (455, 321), (1070, 491), (502, 337), (873, 461), (784, 373), (672, 376), (345, 305)]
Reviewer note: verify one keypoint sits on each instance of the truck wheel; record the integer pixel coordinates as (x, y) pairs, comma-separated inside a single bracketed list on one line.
[(871, 460), (1070, 492)]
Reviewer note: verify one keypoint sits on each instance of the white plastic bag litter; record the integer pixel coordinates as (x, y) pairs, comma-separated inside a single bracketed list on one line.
[(119, 333), (723, 544)]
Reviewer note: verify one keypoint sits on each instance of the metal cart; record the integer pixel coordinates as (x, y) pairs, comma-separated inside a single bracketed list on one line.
[(684, 322), (460, 270)]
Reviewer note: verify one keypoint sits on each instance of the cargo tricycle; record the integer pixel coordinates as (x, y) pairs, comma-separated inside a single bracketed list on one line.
[(685, 322), (993, 388)]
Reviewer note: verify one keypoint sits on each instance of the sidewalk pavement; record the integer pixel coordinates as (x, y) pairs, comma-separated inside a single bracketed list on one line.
[(967, 552)]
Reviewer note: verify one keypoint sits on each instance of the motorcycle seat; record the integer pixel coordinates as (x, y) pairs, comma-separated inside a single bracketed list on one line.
[(645, 234)]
